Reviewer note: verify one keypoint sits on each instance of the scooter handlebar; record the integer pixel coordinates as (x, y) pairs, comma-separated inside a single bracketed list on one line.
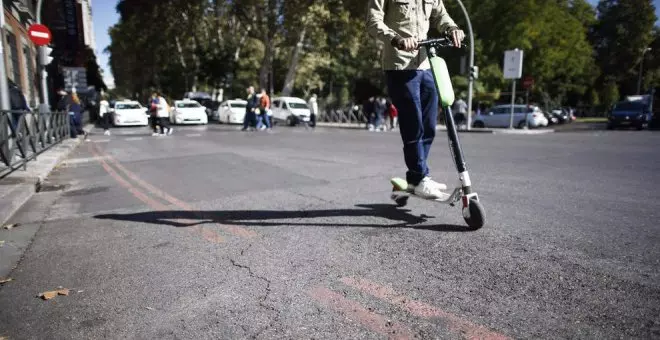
[(439, 43)]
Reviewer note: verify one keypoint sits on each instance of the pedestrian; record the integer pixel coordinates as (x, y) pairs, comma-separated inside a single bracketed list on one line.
[(313, 110), (105, 114), (460, 111), (160, 115), (249, 121), (264, 108), (393, 113), (401, 25), (75, 117), (380, 107), (164, 116), (368, 109), (17, 103)]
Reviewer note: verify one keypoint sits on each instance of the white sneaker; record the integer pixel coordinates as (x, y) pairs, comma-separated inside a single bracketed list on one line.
[(430, 189), (169, 131), (155, 134), (107, 132)]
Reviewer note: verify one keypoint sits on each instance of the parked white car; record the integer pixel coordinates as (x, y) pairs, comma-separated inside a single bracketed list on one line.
[(231, 111), (500, 117), (290, 110), (188, 112), (130, 113)]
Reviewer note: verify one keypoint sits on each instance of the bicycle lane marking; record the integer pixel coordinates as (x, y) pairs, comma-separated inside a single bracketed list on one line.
[(208, 235), (354, 311), (456, 324), (235, 230)]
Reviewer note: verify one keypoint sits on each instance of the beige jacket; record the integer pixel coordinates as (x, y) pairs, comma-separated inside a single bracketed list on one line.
[(407, 18)]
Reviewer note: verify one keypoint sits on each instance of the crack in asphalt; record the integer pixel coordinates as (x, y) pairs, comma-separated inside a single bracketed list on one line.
[(263, 298)]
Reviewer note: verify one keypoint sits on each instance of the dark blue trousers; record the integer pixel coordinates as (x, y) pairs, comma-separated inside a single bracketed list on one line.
[(414, 94)]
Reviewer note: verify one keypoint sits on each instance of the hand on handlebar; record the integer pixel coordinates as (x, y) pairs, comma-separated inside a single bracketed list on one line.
[(457, 36), (406, 44)]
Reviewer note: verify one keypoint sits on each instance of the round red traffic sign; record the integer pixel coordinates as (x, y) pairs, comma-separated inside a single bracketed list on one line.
[(528, 82), (39, 34)]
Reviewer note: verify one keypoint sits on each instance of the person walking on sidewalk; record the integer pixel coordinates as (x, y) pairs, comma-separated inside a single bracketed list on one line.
[(264, 108), (401, 25), (75, 117), (105, 115), (249, 121), (313, 110)]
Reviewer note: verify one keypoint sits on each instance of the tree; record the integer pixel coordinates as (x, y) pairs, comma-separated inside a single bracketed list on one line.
[(624, 29)]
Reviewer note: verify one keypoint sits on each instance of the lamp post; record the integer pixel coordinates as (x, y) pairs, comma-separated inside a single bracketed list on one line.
[(641, 71), (44, 107), (470, 77)]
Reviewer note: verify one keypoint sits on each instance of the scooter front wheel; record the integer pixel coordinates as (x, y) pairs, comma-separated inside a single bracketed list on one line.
[(477, 217)]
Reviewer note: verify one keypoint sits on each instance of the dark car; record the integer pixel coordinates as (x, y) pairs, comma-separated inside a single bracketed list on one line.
[(629, 114)]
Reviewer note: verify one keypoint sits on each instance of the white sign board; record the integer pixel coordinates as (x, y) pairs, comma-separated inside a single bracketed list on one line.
[(513, 64)]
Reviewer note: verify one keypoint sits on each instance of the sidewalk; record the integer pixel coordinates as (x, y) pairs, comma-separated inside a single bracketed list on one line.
[(19, 186)]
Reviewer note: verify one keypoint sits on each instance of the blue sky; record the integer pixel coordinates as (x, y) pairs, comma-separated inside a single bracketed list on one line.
[(105, 15)]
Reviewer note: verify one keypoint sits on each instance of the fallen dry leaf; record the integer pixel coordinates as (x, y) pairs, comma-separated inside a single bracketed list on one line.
[(54, 293), (2, 281), (11, 226)]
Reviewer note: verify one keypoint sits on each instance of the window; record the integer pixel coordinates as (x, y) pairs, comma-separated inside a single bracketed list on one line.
[(27, 58), (14, 72), (276, 103)]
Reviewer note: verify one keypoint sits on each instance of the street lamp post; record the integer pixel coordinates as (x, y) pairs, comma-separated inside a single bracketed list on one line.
[(470, 76), (641, 71), (43, 107)]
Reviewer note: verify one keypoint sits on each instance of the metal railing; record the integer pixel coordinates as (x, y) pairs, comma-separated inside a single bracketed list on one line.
[(343, 115), (24, 135)]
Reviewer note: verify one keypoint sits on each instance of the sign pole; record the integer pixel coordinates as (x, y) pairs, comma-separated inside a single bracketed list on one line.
[(513, 101)]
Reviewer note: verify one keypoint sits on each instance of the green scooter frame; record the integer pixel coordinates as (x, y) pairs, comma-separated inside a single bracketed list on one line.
[(473, 212)]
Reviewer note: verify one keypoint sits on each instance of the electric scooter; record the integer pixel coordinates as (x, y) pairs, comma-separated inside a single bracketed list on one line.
[(473, 212)]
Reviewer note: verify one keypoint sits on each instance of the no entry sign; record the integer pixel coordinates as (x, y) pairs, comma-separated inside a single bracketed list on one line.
[(39, 34)]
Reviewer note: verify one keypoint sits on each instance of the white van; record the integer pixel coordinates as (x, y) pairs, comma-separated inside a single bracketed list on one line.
[(500, 117), (290, 110)]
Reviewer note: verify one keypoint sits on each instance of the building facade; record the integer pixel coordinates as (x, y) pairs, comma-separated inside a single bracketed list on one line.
[(20, 52), (73, 43)]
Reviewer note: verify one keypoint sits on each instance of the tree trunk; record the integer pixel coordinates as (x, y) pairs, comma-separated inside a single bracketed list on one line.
[(290, 80)]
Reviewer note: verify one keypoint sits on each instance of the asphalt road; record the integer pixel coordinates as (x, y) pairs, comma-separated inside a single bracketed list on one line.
[(215, 233)]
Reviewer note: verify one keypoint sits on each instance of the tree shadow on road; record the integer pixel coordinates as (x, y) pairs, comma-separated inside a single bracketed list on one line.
[(270, 218)]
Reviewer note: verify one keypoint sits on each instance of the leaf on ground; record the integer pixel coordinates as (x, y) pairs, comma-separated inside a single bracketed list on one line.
[(149, 308), (3, 281), (11, 226), (51, 294)]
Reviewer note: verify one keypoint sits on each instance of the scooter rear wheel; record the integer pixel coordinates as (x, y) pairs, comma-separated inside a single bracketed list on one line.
[(477, 217)]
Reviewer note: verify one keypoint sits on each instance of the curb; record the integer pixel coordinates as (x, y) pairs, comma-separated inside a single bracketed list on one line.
[(353, 126), (22, 185)]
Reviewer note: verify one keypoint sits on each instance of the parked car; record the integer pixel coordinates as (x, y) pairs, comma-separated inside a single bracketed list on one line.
[(231, 111), (500, 116), (629, 114), (129, 113), (290, 110), (188, 111)]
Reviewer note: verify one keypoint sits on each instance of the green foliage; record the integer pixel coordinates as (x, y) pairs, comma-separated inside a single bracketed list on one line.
[(577, 54)]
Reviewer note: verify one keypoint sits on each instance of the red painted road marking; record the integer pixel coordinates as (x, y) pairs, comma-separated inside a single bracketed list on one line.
[(455, 323), (356, 312), (208, 235), (235, 230)]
